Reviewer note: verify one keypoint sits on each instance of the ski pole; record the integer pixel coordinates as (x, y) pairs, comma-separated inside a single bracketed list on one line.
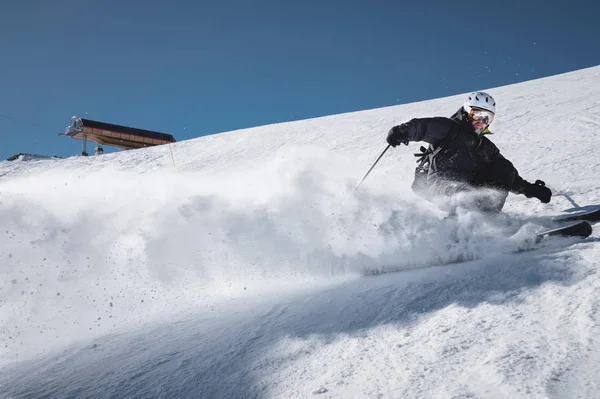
[(565, 194), (568, 197), (363, 179)]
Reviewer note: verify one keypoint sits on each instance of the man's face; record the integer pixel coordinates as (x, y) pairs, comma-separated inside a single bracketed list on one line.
[(480, 119), (478, 126)]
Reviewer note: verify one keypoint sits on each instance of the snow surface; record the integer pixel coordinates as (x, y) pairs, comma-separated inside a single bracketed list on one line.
[(236, 269)]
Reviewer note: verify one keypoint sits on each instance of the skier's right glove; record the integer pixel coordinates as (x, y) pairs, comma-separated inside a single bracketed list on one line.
[(539, 191), (400, 134)]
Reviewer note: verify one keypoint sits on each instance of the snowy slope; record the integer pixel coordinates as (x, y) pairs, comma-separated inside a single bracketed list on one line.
[(236, 268)]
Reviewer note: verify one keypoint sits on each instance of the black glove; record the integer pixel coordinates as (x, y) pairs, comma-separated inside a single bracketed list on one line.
[(400, 134), (539, 191)]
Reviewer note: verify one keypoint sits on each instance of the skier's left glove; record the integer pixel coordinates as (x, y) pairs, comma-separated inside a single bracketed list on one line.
[(400, 134), (539, 191)]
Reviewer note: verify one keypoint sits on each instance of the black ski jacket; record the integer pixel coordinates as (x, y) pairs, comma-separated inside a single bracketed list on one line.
[(464, 153)]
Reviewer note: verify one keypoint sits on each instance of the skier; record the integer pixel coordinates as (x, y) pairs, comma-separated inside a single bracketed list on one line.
[(461, 162)]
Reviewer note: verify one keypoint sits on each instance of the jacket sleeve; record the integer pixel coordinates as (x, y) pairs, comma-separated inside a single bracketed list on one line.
[(431, 130), (519, 184)]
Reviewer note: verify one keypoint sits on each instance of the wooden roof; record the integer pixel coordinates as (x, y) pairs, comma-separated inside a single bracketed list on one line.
[(115, 135)]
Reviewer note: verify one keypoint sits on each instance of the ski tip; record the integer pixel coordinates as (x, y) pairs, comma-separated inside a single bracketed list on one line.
[(590, 216), (582, 229)]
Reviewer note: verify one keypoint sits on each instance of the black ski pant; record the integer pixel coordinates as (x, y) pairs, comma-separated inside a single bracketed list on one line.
[(498, 176)]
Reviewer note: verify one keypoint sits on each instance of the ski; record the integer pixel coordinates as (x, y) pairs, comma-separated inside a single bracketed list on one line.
[(581, 229), (591, 216)]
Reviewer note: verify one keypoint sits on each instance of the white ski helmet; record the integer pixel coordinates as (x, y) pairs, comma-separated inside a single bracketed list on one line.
[(480, 99)]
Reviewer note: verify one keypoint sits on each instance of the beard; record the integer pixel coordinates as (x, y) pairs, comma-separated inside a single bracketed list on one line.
[(477, 129)]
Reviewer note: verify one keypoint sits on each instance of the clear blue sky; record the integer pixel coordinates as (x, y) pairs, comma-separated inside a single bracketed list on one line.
[(192, 68)]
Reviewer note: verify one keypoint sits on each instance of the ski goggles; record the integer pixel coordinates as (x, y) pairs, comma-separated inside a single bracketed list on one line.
[(483, 115)]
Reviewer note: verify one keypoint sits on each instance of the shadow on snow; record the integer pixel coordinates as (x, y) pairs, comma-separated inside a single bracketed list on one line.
[(215, 355)]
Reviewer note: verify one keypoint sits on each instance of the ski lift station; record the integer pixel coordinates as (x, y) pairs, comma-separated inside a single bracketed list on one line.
[(124, 137)]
